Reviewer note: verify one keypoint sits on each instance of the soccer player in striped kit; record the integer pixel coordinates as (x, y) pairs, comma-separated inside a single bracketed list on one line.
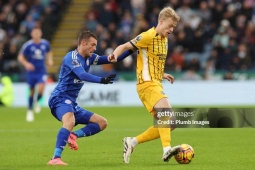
[(152, 47)]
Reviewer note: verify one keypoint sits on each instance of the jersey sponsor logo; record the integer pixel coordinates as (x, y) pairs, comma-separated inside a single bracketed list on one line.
[(67, 101), (78, 81), (161, 56), (76, 63)]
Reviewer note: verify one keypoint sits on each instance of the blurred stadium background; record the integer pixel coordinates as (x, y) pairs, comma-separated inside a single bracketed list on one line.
[(213, 43), (211, 54)]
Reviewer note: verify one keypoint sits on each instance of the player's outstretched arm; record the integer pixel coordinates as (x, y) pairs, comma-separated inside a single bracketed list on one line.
[(119, 50), (92, 78), (104, 59)]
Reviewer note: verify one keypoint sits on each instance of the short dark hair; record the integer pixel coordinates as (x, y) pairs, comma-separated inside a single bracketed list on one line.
[(85, 35)]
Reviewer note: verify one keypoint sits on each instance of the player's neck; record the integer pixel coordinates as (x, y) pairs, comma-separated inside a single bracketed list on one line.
[(80, 52), (37, 41), (158, 30)]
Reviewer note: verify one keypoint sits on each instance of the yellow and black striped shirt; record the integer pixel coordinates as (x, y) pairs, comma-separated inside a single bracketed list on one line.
[(152, 51)]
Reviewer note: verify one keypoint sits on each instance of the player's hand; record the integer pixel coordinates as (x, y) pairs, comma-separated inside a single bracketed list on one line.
[(29, 67), (112, 58), (108, 80), (169, 77)]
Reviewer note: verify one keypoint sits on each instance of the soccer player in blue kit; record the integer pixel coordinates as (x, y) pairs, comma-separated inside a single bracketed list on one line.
[(32, 56), (73, 74)]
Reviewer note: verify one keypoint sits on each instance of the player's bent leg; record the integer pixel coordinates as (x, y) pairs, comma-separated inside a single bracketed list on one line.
[(101, 121), (94, 124), (165, 132), (68, 121), (62, 137)]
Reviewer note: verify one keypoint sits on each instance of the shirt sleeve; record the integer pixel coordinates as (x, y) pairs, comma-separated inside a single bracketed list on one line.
[(141, 41), (83, 75), (48, 46), (24, 49), (98, 60), (75, 65)]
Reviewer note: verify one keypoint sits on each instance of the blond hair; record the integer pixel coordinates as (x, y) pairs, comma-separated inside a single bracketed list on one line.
[(168, 12)]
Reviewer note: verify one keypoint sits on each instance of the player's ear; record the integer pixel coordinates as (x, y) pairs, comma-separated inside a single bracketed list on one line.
[(83, 42), (160, 20)]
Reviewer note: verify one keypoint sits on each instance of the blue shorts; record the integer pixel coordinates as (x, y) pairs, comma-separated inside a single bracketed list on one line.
[(33, 79), (60, 106)]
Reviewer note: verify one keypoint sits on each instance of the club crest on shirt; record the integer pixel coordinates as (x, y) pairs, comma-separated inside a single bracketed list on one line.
[(68, 101), (138, 38)]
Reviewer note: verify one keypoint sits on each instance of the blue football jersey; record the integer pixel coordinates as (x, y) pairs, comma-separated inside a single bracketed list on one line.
[(36, 54), (69, 84)]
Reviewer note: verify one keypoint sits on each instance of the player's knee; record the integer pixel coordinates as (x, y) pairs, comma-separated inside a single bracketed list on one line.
[(68, 121), (69, 125), (103, 123)]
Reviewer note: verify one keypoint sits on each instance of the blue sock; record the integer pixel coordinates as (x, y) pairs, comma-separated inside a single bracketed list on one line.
[(30, 102), (88, 130), (62, 138)]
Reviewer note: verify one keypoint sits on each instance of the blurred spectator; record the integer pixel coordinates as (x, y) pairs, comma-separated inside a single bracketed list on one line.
[(176, 59), (221, 38), (241, 61), (191, 74), (126, 23), (138, 7), (192, 65), (107, 14), (90, 21), (228, 76)]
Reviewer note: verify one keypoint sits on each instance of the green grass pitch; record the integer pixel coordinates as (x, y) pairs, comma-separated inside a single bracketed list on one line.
[(27, 146)]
